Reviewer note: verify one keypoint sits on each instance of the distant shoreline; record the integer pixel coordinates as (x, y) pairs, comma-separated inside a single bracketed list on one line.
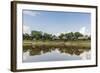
[(78, 43)]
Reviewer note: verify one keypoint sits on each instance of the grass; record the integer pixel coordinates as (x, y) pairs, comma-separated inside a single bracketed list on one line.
[(77, 43)]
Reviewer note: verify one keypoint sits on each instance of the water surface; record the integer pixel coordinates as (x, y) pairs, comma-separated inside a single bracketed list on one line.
[(40, 54)]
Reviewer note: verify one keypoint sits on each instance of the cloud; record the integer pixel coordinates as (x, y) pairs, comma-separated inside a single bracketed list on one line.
[(83, 30), (57, 34), (31, 13), (26, 29), (86, 55)]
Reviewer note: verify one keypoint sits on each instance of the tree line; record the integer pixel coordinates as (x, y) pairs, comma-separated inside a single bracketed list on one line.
[(39, 35)]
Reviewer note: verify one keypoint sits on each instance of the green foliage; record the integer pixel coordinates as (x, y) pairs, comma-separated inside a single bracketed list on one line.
[(69, 36), (61, 36), (39, 35), (54, 37), (36, 35), (47, 36), (77, 34), (27, 37)]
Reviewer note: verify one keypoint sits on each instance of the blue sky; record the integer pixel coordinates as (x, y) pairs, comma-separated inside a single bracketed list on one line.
[(56, 22)]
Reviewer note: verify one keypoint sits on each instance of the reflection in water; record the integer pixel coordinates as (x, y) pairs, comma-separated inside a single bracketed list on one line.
[(39, 54)]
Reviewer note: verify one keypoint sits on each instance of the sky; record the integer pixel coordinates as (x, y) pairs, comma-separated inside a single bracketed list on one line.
[(56, 22)]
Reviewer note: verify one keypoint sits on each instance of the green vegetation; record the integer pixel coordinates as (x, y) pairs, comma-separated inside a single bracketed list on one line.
[(39, 35), (40, 39), (78, 44)]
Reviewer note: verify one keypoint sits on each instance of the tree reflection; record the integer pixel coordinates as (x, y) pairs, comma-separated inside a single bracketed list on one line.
[(37, 50)]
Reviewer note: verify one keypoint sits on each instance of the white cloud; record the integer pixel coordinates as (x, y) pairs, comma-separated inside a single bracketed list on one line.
[(57, 34), (86, 55), (83, 30), (31, 13), (26, 29)]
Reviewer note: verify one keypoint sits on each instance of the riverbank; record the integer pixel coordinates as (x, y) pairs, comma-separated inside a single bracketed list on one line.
[(77, 43)]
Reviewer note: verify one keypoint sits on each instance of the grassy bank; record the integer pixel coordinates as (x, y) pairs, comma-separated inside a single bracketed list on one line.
[(78, 43)]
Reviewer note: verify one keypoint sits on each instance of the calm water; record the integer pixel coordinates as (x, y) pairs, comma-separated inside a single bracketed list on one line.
[(41, 54)]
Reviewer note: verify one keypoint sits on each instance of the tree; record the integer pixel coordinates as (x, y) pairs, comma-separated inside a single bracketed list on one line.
[(26, 36), (61, 36), (39, 35), (47, 36), (54, 37), (89, 37), (69, 36), (77, 34), (36, 35)]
